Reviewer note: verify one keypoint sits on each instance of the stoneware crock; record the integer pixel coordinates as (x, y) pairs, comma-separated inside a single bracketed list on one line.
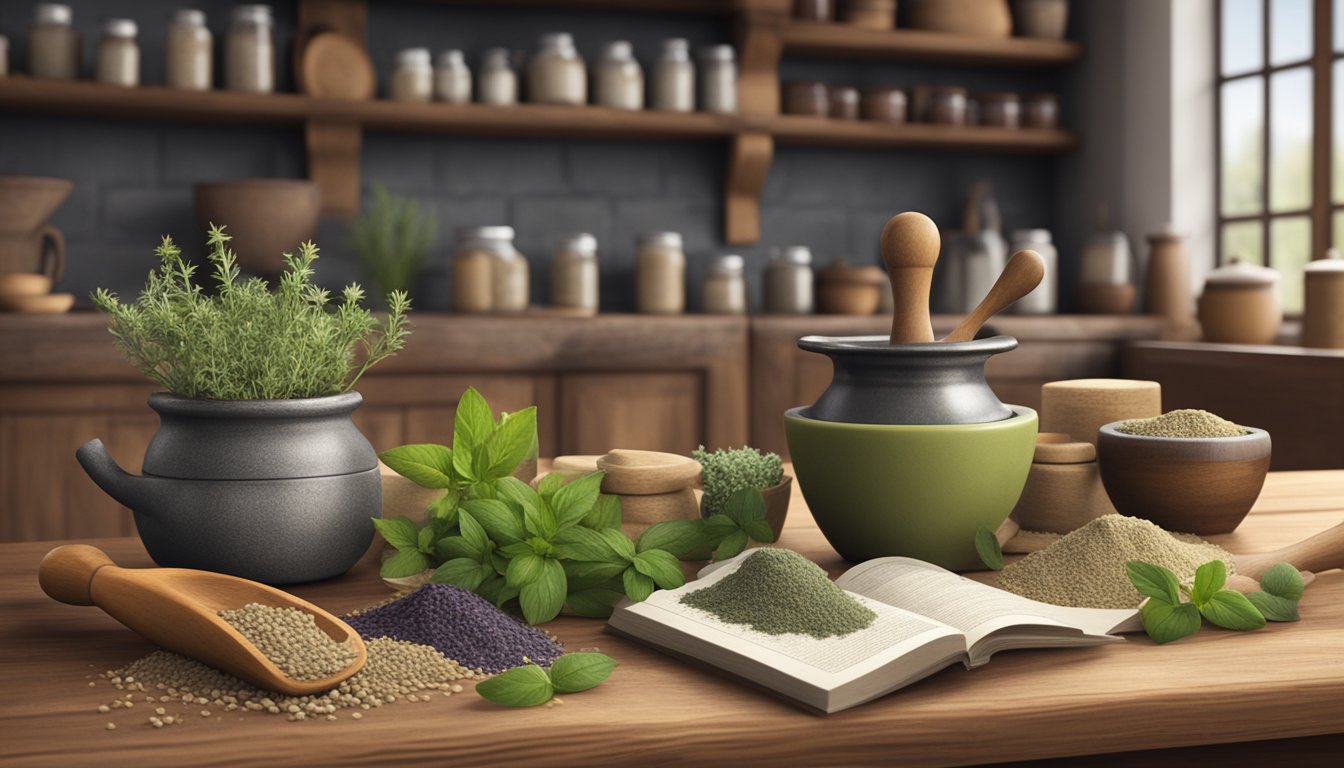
[(278, 491)]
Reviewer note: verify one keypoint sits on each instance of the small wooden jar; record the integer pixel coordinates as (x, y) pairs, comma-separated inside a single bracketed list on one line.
[(806, 97), (1064, 490), (883, 105), (1240, 304), (873, 14), (1323, 314), (1079, 407), (844, 289)]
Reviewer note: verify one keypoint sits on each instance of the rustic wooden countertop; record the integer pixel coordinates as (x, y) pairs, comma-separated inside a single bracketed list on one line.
[(1283, 683)]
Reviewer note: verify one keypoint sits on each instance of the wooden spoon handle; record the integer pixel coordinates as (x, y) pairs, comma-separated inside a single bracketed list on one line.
[(66, 573), (1022, 274), (910, 244), (1321, 552)]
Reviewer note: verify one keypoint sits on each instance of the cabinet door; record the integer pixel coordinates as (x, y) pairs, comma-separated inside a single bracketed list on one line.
[(649, 411)]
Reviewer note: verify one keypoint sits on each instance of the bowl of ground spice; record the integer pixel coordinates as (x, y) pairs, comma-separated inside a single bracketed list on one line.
[(1186, 470)]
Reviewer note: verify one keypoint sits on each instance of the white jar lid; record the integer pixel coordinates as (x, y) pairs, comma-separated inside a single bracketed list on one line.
[(189, 17), (1330, 264), (723, 53), (557, 41), (1239, 273), (496, 57), (452, 58), (581, 243), (53, 13), (668, 239), (413, 58), (497, 232), (255, 14), (120, 28), (730, 263), (1041, 236), (677, 48), (618, 50), (792, 254)]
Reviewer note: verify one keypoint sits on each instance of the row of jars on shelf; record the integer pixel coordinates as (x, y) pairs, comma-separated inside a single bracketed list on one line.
[(557, 74), (943, 105), (489, 275)]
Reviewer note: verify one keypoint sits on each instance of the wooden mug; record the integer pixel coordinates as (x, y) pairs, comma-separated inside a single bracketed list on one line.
[(41, 251)]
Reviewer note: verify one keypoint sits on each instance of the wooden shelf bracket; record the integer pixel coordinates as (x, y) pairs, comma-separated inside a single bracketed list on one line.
[(748, 166)]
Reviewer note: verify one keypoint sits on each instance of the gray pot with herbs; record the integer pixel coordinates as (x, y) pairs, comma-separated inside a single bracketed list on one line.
[(257, 469)]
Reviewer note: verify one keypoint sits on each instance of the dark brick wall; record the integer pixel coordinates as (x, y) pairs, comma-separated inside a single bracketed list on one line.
[(133, 180)]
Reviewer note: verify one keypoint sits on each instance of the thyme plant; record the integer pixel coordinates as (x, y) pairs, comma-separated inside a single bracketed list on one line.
[(393, 240), (246, 342)]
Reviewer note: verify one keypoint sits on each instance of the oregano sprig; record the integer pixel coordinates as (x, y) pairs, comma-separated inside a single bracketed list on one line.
[(530, 685), (1167, 618)]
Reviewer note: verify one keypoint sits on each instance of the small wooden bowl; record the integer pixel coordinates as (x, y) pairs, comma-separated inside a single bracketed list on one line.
[(1191, 485), (17, 286), (47, 304)]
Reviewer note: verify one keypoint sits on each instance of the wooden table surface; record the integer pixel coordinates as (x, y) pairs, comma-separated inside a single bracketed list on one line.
[(1283, 683)]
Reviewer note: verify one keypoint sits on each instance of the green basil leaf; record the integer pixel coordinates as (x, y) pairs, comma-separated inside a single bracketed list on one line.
[(461, 572), (1273, 607), (497, 591), (405, 563), (582, 576), (525, 686), (717, 526), (512, 442), (515, 491), (451, 547), (1166, 622), (425, 464), (760, 530), (473, 532), (574, 501), (987, 546), (1154, 581), (532, 521), (660, 566), (400, 532), (1283, 580), (516, 549), (579, 543), (638, 586), (525, 569), (606, 513), (732, 545), (542, 599), (680, 537), (473, 423), (552, 482), (1231, 610), (619, 543), (548, 521), (744, 506), (593, 603), (444, 509), (1209, 578), (576, 672), (498, 519)]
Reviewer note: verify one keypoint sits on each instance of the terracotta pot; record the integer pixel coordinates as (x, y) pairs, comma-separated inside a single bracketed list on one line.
[(777, 504), (1104, 299), (843, 289), (265, 217), (1041, 18), (1323, 313), (1240, 305), (27, 242), (976, 18)]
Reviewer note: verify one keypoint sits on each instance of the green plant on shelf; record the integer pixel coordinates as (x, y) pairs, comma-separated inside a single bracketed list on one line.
[(393, 240), (245, 342), (558, 546), (727, 471)]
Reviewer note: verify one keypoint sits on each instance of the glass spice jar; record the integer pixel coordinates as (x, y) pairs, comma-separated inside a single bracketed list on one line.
[(718, 79), (413, 79), (725, 288), (660, 270), (1041, 110), (883, 105), (473, 271), (556, 74), (619, 81), (4, 56), (674, 78), (948, 106), (188, 52), (806, 97), (53, 44), (452, 78), (250, 50), (1041, 299), (117, 57), (499, 83), (788, 281), (844, 102), (574, 274), (1000, 110)]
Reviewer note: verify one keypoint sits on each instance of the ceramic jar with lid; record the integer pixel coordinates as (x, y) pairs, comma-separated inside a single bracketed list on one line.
[(947, 105), (499, 83), (725, 289), (1041, 300), (814, 10), (117, 58), (844, 103), (1167, 289), (660, 274), (574, 275), (1041, 110), (249, 60), (511, 282), (618, 80), (807, 97), (1105, 286), (53, 43), (718, 79), (188, 52), (1041, 18), (788, 281), (873, 14), (1240, 304), (452, 78), (674, 78), (473, 271), (845, 289), (1000, 110), (883, 105), (413, 79), (1323, 313), (556, 74)]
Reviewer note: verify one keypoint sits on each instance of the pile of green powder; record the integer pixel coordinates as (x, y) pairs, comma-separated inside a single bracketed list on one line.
[(1186, 422), (1086, 568), (780, 592)]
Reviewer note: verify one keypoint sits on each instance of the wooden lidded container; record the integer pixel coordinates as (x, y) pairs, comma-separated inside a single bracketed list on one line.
[(1240, 304), (845, 289), (1168, 287), (1323, 314)]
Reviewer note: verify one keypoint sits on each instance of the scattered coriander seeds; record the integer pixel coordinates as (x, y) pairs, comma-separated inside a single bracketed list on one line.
[(291, 639), (111, 726), (1186, 422)]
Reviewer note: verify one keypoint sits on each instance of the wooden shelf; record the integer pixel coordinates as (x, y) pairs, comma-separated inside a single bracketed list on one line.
[(833, 40), (820, 131)]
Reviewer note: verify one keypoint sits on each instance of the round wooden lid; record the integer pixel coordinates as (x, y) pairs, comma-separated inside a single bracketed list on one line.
[(336, 67)]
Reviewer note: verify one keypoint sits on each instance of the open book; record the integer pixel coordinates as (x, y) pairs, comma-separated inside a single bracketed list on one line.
[(928, 618)]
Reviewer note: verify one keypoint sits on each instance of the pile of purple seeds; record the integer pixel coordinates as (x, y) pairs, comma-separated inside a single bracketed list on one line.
[(461, 625)]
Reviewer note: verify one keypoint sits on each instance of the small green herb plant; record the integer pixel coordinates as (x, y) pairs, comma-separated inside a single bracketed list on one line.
[(727, 471), (1167, 618), (246, 342), (987, 547), (556, 546), (530, 685), (393, 240)]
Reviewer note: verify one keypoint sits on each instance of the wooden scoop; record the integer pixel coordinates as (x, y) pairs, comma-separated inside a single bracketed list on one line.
[(1022, 274), (1321, 552), (910, 245), (178, 608)]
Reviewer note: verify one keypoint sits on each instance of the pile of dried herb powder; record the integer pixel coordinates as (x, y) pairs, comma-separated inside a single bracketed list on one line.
[(1183, 423), (1086, 568), (461, 625), (779, 592), (174, 687), (291, 639)]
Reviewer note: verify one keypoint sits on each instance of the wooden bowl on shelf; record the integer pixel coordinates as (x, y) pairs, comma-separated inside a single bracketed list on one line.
[(265, 217), (1202, 485)]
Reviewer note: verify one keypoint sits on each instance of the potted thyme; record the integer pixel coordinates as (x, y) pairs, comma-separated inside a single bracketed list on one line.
[(727, 471), (257, 468)]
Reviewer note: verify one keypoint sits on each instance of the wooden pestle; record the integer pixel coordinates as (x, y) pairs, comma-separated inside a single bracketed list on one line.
[(1322, 552), (178, 608), (910, 244), (1021, 275)]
